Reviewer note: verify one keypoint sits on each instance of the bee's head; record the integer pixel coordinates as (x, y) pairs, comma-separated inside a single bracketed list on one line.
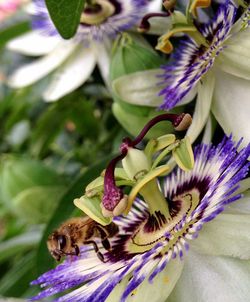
[(56, 245)]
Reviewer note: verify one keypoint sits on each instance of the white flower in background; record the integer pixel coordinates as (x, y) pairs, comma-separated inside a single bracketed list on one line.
[(156, 256), (74, 60)]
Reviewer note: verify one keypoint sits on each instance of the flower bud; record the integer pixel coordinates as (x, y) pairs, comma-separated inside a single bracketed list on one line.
[(130, 56)]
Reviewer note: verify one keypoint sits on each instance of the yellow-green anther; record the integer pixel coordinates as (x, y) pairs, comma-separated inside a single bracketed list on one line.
[(166, 151), (135, 163), (92, 207), (183, 155)]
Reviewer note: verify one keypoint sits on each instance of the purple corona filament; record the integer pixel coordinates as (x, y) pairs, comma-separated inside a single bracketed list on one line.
[(113, 194)]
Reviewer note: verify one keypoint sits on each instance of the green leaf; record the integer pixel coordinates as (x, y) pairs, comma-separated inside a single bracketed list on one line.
[(13, 31), (129, 57), (65, 15), (35, 205), (17, 244), (20, 173), (64, 211), (16, 280)]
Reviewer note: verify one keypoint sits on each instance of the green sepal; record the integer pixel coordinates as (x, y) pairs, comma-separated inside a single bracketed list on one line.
[(133, 122), (183, 155), (92, 208), (130, 56)]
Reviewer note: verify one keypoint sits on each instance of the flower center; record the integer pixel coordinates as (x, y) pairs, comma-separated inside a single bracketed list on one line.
[(157, 227), (96, 12)]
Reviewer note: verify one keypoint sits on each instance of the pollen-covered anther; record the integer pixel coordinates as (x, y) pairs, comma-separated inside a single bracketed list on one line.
[(199, 4), (121, 206), (105, 212), (118, 210), (169, 4), (184, 123)]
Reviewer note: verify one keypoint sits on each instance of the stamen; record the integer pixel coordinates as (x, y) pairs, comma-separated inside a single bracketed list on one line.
[(169, 4), (113, 195), (198, 4), (145, 25)]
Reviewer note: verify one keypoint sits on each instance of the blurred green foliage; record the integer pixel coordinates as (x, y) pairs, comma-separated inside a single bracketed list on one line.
[(48, 154)]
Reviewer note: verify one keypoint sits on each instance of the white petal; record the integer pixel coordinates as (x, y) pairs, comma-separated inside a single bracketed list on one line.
[(213, 279), (33, 72), (241, 206), (158, 291), (227, 235), (33, 44), (139, 88), (202, 107), (235, 58), (231, 105), (155, 6), (208, 132), (72, 74), (103, 56)]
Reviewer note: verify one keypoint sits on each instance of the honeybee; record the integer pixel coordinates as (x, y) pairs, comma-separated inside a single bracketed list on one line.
[(78, 231)]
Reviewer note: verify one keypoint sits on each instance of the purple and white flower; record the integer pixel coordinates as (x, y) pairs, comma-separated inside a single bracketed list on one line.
[(219, 73), (74, 59), (150, 257)]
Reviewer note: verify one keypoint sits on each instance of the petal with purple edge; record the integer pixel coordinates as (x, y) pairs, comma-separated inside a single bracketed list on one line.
[(157, 290)]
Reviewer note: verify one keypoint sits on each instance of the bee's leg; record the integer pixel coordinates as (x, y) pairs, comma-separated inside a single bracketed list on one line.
[(77, 250), (98, 253), (105, 241)]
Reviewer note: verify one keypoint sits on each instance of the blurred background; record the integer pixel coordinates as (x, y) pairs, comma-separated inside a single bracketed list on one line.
[(48, 153)]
